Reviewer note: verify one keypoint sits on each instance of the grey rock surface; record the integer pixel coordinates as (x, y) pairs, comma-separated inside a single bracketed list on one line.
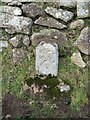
[(15, 2), (83, 41), (49, 35), (10, 10), (3, 44), (32, 10), (4, 18), (60, 13), (14, 41), (83, 8), (7, 1), (26, 40), (19, 25), (15, 24), (50, 22), (78, 24), (68, 3), (47, 59), (77, 60), (17, 40)]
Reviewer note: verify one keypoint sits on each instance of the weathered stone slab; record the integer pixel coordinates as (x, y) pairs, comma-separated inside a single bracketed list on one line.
[(50, 22), (10, 10), (83, 8), (60, 13), (77, 60), (47, 59), (83, 41), (15, 24), (49, 35), (19, 25), (32, 10)]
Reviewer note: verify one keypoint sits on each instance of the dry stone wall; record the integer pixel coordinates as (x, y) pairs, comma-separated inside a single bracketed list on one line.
[(18, 18)]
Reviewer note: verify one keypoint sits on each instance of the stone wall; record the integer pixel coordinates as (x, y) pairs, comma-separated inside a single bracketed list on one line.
[(49, 40), (43, 24)]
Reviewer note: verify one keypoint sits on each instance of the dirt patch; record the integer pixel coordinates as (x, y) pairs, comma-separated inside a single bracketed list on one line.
[(14, 107)]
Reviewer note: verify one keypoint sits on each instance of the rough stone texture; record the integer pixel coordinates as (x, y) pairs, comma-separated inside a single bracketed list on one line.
[(83, 8), (32, 10), (4, 18), (17, 40), (26, 40), (3, 44), (15, 2), (18, 54), (7, 1), (68, 3), (20, 25), (83, 42), (63, 87), (10, 10), (15, 24), (47, 59), (77, 60), (60, 13), (50, 22), (78, 24), (49, 35), (31, 1)]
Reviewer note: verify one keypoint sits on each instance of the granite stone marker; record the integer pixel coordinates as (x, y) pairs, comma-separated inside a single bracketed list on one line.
[(47, 59)]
